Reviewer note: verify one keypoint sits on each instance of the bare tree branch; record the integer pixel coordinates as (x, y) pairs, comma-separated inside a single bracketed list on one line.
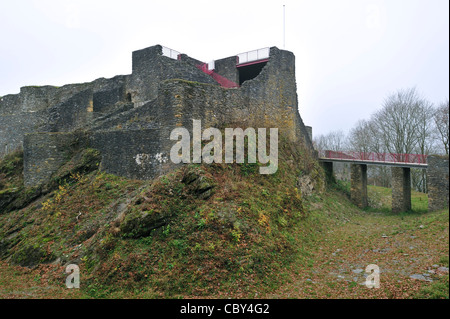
[(441, 120)]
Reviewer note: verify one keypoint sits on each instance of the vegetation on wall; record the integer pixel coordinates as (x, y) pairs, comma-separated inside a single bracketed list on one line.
[(200, 230)]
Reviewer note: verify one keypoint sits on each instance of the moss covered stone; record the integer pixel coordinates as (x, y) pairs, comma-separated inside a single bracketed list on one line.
[(140, 224), (198, 183), (30, 256)]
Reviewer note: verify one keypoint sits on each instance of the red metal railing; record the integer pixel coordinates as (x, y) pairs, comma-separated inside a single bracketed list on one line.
[(375, 157)]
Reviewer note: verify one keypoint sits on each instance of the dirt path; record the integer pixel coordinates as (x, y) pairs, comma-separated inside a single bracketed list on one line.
[(411, 252)]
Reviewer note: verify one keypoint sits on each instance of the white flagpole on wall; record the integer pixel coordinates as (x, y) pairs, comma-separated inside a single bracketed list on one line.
[(284, 26)]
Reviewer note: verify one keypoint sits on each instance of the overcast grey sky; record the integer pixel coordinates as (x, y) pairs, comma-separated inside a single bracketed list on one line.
[(350, 54)]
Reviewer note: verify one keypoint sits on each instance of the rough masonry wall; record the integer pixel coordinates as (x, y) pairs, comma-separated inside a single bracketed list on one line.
[(135, 154), (136, 143), (358, 190), (43, 154), (437, 176), (129, 118), (269, 100), (105, 98), (266, 101), (71, 114), (53, 109), (227, 68), (14, 126), (22, 113), (150, 67), (401, 189), (273, 93)]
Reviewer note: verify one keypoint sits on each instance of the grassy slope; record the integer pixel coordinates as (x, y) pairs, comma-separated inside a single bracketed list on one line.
[(163, 238), (254, 236), (400, 244)]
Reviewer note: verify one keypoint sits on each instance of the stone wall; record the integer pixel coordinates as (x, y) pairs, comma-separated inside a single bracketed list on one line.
[(104, 100), (22, 113), (262, 102), (54, 109), (401, 189), (71, 114), (329, 173), (437, 176), (135, 154), (43, 154), (13, 127), (129, 117), (150, 67), (227, 68), (274, 93), (358, 189), (269, 100)]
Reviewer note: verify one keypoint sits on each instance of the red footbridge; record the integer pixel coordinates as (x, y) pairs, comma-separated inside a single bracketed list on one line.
[(401, 165), (371, 158)]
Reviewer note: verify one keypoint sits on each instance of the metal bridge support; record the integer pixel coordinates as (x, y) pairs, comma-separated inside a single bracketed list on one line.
[(401, 189), (358, 181)]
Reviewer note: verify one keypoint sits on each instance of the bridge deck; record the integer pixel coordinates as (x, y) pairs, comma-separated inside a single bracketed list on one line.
[(358, 161)]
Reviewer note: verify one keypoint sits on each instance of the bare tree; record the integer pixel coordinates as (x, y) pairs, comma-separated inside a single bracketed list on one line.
[(398, 122), (442, 126), (405, 126), (333, 141), (364, 137), (425, 142), (407, 123), (361, 137)]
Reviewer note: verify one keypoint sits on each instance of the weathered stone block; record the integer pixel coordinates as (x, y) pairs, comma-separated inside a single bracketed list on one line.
[(140, 224)]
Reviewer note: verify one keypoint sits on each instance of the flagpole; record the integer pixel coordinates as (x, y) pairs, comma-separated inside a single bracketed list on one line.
[(284, 27)]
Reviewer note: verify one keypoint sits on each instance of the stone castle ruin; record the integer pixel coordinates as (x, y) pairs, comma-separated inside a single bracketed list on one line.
[(128, 118)]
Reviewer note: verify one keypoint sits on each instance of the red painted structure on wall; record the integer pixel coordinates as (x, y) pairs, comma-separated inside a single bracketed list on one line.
[(223, 81)]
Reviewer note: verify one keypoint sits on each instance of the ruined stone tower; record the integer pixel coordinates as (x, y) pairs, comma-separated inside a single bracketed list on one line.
[(129, 118)]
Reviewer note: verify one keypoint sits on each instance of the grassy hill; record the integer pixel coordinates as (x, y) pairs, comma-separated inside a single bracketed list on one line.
[(211, 231)]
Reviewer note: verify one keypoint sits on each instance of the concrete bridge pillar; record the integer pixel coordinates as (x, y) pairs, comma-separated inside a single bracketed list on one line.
[(401, 189), (358, 181)]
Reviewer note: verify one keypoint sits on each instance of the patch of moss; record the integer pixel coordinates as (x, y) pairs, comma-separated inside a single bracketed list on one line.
[(140, 224), (11, 180), (30, 256), (82, 162), (11, 166)]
